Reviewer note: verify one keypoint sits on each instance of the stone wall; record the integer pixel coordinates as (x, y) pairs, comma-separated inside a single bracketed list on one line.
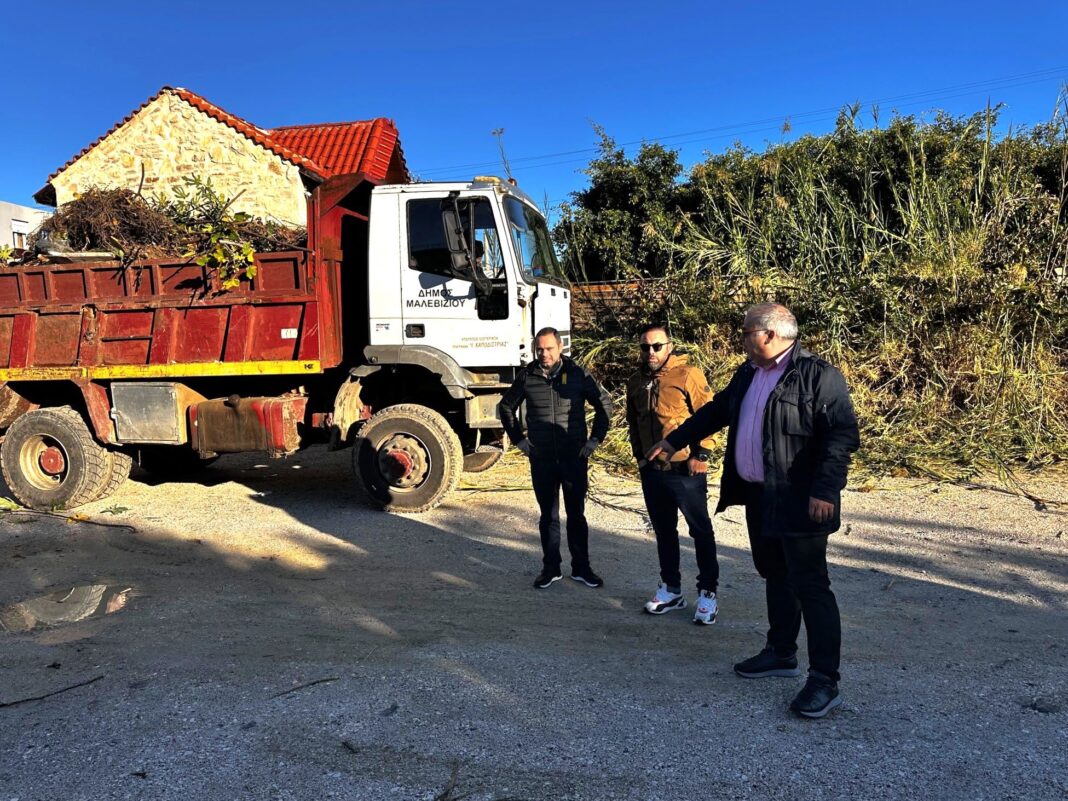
[(172, 139)]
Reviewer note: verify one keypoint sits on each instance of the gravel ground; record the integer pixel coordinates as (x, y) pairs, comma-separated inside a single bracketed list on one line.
[(281, 641)]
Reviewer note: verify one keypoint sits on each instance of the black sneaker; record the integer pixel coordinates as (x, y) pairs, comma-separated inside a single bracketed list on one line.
[(767, 664), (547, 577), (818, 697), (587, 577)]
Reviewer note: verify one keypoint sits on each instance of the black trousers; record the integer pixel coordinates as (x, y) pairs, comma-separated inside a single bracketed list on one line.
[(797, 586), (668, 492), (550, 476)]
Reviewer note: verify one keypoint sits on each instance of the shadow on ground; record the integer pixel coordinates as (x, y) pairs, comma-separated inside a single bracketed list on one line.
[(283, 639)]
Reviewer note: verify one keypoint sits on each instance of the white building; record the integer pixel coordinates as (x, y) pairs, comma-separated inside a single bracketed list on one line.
[(17, 223)]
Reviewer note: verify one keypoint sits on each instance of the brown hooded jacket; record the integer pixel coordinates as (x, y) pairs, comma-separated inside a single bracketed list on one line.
[(658, 403)]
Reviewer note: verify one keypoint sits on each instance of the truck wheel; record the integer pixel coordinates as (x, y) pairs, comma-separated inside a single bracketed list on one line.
[(408, 458), (172, 461), (483, 459), (51, 461), (121, 462)]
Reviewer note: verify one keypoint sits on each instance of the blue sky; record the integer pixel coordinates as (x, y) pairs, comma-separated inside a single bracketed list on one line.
[(449, 73)]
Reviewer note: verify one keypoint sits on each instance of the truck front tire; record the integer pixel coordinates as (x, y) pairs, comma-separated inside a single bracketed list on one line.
[(407, 458), (51, 461)]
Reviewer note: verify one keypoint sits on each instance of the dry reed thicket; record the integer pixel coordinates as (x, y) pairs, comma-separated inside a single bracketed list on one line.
[(926, 259)]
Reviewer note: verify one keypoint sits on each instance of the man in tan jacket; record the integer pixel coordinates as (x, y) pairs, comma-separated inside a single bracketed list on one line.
[(664, 392)]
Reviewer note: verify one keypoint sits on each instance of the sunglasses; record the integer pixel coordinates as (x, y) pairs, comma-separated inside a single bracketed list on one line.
[(655, 347)]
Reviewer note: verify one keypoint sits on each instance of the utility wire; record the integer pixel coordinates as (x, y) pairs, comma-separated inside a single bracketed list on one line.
[(557, 202), (943, 93)]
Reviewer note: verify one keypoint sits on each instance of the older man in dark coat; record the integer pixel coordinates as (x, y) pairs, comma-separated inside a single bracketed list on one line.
[(791, 434)]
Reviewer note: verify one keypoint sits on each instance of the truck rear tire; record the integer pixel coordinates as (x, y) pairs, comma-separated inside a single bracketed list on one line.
[(407, 458), (121, 462), (51, 461)]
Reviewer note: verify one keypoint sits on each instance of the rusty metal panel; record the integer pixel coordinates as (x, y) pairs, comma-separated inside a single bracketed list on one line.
[(275, 330), (9, 290), (481, 410), (33, 286), (182, 279), (199, 335), (282, 272), (147, 412), (57, 339), (106, 283), (69, 286), (7, 330), (238, 345), (236, 425), (12, 406), (23, 337), (156, 313)]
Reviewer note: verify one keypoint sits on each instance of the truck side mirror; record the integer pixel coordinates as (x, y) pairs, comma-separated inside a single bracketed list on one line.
[(457, 242), (461, 253)]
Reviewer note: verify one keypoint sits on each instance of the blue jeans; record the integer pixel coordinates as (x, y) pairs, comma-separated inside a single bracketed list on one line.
[(668, 492)]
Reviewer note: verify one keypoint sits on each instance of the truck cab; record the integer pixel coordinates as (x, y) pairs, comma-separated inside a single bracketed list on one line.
[(459, 278), (478, 309)]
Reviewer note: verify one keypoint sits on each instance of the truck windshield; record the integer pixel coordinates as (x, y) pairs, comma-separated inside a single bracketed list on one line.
[(537, 259)]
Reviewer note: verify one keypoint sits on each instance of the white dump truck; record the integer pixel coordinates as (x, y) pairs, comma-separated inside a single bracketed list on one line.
[(395, 331)]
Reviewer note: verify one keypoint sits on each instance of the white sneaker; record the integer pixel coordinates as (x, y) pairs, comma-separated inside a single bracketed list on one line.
[(664, 601), (705, 613)]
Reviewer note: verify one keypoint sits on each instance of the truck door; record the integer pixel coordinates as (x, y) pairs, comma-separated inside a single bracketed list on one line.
[(447, 313)]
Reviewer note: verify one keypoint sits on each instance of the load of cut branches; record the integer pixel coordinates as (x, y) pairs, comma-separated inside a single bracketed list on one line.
[(195, 223)]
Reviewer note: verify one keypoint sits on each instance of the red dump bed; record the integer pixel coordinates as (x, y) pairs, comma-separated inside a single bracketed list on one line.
[(153, 319)]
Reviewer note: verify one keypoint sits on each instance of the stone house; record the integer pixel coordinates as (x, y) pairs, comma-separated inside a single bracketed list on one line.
[(177, 133)]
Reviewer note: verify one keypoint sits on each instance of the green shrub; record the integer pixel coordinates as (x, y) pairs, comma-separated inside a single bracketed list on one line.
[(927, 260)]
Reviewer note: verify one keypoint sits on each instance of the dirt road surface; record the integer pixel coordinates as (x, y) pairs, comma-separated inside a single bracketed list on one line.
[(271, 638)]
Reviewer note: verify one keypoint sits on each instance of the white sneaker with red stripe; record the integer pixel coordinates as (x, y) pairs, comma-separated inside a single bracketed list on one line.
[(664, 600), (707, 608)]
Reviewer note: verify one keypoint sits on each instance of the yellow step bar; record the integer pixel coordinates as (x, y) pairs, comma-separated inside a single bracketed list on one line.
[(188, 370)]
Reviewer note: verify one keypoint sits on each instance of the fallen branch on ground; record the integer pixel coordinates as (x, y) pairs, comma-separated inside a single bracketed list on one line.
[(446, 794), (65, 518), (305, 686), (54, 692)]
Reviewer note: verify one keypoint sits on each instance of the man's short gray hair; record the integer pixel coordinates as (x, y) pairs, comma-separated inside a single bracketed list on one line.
[(773, 317)]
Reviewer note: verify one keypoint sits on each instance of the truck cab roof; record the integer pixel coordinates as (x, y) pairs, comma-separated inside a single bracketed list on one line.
[(479, 183)]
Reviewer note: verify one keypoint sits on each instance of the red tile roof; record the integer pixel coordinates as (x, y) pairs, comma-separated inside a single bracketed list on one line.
[(369, 147), (344, 148)]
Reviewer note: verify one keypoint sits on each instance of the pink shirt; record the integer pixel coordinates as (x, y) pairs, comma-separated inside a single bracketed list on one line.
[(749, 439)]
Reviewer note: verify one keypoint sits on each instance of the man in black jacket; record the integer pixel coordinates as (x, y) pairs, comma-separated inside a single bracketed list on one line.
[(792, 432), (556, 390)]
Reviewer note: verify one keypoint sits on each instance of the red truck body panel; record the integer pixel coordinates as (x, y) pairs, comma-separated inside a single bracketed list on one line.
[(153, 313), (153, 318)]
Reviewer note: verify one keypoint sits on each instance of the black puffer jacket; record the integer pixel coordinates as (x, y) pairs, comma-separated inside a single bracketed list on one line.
[(555, 414), (810, 432)]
